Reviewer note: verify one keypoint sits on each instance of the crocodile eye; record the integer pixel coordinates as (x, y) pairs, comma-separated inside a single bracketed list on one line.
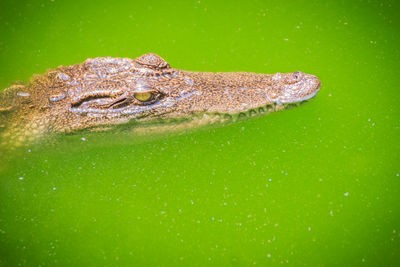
[(144, 96)]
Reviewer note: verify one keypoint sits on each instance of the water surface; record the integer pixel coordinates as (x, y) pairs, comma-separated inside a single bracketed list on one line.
[(315, 185)]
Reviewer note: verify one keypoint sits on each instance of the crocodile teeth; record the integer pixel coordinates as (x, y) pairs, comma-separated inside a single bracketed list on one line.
[(228, 116), (252, 112), (270, 107), (218, 117)]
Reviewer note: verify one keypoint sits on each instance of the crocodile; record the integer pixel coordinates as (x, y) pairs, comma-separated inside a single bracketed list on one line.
[(104, 92)]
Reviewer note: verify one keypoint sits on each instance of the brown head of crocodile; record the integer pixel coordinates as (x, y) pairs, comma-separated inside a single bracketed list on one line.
[(109, 91)]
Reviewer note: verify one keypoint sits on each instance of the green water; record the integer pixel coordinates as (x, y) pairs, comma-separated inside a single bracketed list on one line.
[(318, 185)]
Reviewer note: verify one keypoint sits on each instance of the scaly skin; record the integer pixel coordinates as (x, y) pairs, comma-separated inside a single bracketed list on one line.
[(104, 92)]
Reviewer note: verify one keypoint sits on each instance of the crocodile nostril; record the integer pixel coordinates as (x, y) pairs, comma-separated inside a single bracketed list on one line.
[(296, 75)]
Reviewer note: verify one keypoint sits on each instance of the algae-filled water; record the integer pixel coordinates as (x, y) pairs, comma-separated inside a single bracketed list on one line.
[(318, 185)]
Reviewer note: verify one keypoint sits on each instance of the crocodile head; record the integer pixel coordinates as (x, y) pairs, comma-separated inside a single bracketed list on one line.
[(148, 89), (110, 91)]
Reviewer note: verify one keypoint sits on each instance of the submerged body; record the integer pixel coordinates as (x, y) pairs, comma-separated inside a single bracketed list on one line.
[(103, 92)]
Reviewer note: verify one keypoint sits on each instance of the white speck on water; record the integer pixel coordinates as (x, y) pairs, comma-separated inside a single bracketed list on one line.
[(298, 27), (346, 194), (270, 179), (29, 150), (242, 128), (268, 255), (54, 188), (331, 212), (397, 174), (212, 218), (309, 228), (83, 139), (286, 39), (191, 202), (21, 178)]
